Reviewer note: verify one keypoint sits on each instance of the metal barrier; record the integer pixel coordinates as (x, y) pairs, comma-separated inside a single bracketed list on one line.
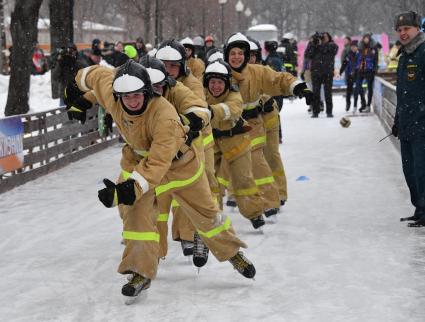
[(384, 103), (51, 142)]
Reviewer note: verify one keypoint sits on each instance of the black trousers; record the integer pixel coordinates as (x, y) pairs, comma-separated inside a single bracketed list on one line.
[(318, 80), (413, 160), (349, 80)]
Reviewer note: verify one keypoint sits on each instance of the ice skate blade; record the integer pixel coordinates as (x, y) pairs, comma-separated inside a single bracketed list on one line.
[(273, 219), (129, 300), (260, 230)]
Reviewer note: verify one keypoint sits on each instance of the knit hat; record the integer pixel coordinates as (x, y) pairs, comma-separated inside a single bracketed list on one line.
[(130, 51), (354, 43)]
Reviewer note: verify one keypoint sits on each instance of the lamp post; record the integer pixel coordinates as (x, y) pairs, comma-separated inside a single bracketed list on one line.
[(222, 3), (239, 8), (247, 12)]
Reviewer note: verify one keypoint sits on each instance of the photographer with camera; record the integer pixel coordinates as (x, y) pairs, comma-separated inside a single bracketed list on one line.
[(322, 51)]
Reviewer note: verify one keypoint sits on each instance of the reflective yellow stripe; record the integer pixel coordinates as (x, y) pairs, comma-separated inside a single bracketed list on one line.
[(198, 141), (223, 181), (207, 140), (142, 153), (74, 109), (251, 105), (125, 174), (279, 173), (258, 140), (216, 230), (135, 235), (289, 66), (179, 183), (174, 203), (262, 181), (162, 218), (237, 150), (245, 192), (271, 123), (115, 198)]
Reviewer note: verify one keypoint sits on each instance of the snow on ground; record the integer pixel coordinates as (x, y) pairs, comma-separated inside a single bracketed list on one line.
[(337, 253), (40, 94)]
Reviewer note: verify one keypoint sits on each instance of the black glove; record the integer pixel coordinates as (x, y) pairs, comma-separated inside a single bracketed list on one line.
[(268, 106), (76, 104), (108, 120), (301, 90), (123, 192), (195, 122), (394, 130)]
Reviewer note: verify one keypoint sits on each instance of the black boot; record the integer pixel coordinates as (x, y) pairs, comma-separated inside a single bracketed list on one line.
[(187, 247), (200, 251), (271, 212), (257, 222), (243, 265), (231, 203), (418, 223), (137, 284)]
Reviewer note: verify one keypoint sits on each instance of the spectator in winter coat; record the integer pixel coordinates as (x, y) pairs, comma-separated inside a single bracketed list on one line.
[(140, 47), (393, 57), (367, 67), (409, 122), (349, 67), (39, 61), (347, 47), (322, 51)]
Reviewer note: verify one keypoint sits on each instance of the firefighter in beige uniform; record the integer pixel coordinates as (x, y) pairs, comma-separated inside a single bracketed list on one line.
[(232, 139), (172, 53), (254, 81), (162, 163), (196, 65), (184, 101)]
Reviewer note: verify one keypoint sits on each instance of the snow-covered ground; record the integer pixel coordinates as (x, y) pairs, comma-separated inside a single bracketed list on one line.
[(40, 94), (337, 253)]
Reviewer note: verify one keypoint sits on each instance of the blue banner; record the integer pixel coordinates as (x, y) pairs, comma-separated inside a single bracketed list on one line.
[(11, 145)]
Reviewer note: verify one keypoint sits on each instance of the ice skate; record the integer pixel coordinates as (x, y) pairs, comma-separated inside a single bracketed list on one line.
[(231, 202), (187, 247), (200, 252), (257, 222), (132, 289), (270, 212), (243, 265)]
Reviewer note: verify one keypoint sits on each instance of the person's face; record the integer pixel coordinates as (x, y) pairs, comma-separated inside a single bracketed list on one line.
[(173, 68), (325, 38), (346, 41), (407, 33), (119, 47), (208, 44), (134, 101), (354, 49), (236, 57), (188, 52), (366, 40), (139, 45), (158, 88), (252, 58), (216, 86)]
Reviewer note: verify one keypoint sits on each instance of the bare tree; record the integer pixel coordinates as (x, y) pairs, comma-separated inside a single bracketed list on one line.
[(24, 32), (61, 34)]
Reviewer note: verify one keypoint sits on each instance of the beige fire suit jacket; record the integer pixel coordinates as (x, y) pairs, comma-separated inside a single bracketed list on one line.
[(153, 138)]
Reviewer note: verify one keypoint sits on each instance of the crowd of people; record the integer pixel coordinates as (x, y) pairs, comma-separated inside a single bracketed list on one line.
[(200, 123)]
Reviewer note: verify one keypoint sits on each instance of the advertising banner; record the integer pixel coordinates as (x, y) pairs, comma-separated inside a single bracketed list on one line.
[(11, 146)]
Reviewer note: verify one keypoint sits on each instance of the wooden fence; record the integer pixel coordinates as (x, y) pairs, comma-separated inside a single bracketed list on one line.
[(51, 142)]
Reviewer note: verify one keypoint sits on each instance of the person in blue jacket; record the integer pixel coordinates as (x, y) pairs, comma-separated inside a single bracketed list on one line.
[(367, 67), (409, 121), (348, 66)]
